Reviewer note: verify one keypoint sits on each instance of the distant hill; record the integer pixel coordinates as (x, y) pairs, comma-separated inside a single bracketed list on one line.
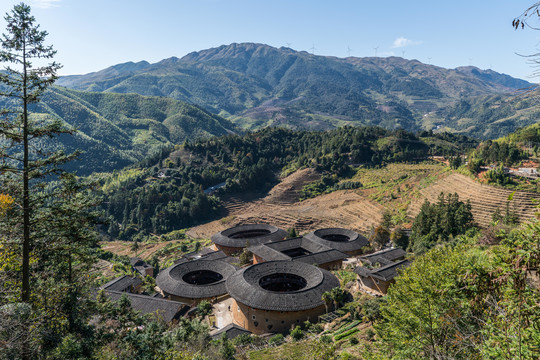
[(491, 116), (115, 130), (258, 85)]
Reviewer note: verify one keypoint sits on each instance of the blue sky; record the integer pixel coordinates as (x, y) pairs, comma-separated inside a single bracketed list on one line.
[(93, 34)]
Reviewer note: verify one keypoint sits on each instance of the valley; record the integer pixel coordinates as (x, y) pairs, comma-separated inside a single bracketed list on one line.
[(249, 202)]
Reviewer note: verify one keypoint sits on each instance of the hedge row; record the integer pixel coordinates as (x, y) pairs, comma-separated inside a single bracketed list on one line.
[(345, 334), (347, 327)]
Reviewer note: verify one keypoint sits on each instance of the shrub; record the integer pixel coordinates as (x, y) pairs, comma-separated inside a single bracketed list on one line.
[(399, 238), (246, 257), (372, 309), (276, 339), (297, 333), (498, 176), (348, 185), (327, 339), (243, 339), (204, 308)]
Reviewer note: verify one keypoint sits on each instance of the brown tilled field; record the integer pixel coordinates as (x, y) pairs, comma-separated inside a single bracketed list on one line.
[(343, 208), (346, 208), (484, 199)]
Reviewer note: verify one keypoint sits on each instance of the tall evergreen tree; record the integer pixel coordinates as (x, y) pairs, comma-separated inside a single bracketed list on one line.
[(28, 169), (439, 222), (23, 81)]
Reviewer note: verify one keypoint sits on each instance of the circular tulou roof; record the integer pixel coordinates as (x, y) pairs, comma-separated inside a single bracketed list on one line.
[(196, 279), (344, 240), (249, 285), (250, 235)]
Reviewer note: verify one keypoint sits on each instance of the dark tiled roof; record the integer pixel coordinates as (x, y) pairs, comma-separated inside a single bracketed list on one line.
[(305, 243), (122, 283), (215, 255), (234, 237), (142, 269), (180, 261), (197, 255), (232, 331), (267, 253), (136, 261), (171, 280), (388, 272), (317, 253), (208, 254), (322, 257), (349, 241), (244, 286), (363, 271), (220, 255), (385, 273), (384, 257), (166, 309)]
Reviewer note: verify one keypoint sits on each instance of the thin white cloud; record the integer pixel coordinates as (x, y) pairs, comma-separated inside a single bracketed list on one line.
[(45, 4), (401, 42)]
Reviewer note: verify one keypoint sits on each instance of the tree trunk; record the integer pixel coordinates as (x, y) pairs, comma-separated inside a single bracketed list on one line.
[(26, 194)]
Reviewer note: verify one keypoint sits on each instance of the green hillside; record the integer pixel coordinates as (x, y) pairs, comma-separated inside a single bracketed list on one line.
[(115, 130), (163, 193), (258, 85), (489, 116)]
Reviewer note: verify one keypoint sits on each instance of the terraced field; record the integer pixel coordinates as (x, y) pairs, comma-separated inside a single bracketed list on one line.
[(397, 186), (288, 191), (338, 209), (347, 208), (484, 199)]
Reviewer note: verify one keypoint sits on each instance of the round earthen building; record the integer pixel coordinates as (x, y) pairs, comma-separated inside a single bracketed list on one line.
[(275, 296), (194, 281), (234, 240), (344, 240)]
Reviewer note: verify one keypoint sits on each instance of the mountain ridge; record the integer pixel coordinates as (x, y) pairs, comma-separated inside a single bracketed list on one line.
[(257, 85)]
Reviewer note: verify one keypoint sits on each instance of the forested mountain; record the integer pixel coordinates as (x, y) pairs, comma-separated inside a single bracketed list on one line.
[(115, 130), (491, 116), (258, 85)]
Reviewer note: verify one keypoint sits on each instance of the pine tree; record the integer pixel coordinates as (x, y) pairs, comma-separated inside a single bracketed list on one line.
[(28, 170), (23, 82)]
